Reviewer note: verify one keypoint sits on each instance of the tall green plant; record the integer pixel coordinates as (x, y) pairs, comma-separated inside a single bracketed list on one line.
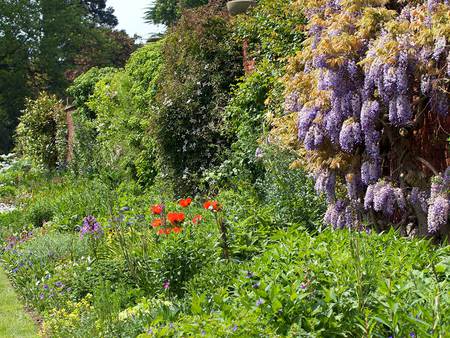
[(200, 65), (41, 133)]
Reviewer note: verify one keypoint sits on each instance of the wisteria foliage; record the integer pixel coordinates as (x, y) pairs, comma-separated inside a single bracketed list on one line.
[(372, 83)]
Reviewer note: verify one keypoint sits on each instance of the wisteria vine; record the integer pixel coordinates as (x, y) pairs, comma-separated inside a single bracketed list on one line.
[(371, 89)]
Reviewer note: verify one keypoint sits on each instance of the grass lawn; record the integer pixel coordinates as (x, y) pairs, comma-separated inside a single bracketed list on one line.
[(14, 321)]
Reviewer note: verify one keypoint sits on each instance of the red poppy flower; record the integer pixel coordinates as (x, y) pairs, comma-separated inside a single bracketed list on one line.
[(177, 230), (156, 223), (211, 205), (161, 232), (157, 209), (175, 217), (186, 202), (168, 231), (197, 219)]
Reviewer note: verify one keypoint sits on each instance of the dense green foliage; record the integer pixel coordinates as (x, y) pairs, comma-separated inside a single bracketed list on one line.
[(168, 12), (281, 280), (41, 133), (188, 208), (200, 65), (32, 58)]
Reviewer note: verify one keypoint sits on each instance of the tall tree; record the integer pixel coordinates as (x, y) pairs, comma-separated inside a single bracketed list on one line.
[(43, 42), (167, 12)]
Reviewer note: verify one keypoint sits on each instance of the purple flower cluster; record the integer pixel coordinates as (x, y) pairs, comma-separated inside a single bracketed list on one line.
[(326, 183), (91, 228), (383, 197), (438, 214), (350, 135), (438, 211), (365, 102), (341, 215)]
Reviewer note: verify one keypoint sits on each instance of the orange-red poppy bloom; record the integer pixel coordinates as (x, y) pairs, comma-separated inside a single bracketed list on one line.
[(212, 205), (157, 209), (161, 232), (175, 217), (197, 219), (177, 230), (168, 231), (186, 202), (156, 223)]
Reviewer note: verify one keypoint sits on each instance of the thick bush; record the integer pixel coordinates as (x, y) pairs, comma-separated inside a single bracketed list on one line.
[(371, 92), (123, 105), (42, 132), (85, 143), (200, 64), (272, 32)]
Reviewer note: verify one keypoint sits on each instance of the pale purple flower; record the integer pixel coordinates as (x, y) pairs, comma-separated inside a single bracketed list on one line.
[(91, 227), (350, 136), (438, 214), (259, 302)]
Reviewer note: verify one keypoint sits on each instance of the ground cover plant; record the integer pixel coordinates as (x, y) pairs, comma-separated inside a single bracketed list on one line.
[(218, 184)]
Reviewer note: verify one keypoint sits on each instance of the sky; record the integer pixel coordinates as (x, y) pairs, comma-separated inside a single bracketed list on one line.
[(130, 14)]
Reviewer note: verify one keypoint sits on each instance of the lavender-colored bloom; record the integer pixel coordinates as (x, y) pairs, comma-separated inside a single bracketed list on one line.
[(59, 284), (235, 328), (326, 183), (259, 302), (320, 61), (437, 185), (419, 199), (256, 285), (404, 111), (372, 141), (370, 172), (425, 84), (305, 119), (46, 287), (314, 138), (91, 227), (259, 153), (368, 199), (438, 214), (439, 47), (350, 136), (291, 104), (384, 199), (249, 274), (369, 114), (41, 296)]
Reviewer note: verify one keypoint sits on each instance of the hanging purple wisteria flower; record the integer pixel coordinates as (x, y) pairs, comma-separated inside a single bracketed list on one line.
[(91, 228), (438, 214)]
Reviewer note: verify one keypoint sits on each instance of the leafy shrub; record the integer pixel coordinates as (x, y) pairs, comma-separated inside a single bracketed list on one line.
[(122, 102), (41, 133), (273, 30), (85, 145), (200, 64), (371, 92)]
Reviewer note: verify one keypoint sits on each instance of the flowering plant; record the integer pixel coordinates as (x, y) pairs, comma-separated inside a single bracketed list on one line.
[(91, 228), (370, 92)]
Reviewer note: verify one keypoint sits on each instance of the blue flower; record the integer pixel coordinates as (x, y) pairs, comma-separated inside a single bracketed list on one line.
[(235, 327), (259, 302)]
